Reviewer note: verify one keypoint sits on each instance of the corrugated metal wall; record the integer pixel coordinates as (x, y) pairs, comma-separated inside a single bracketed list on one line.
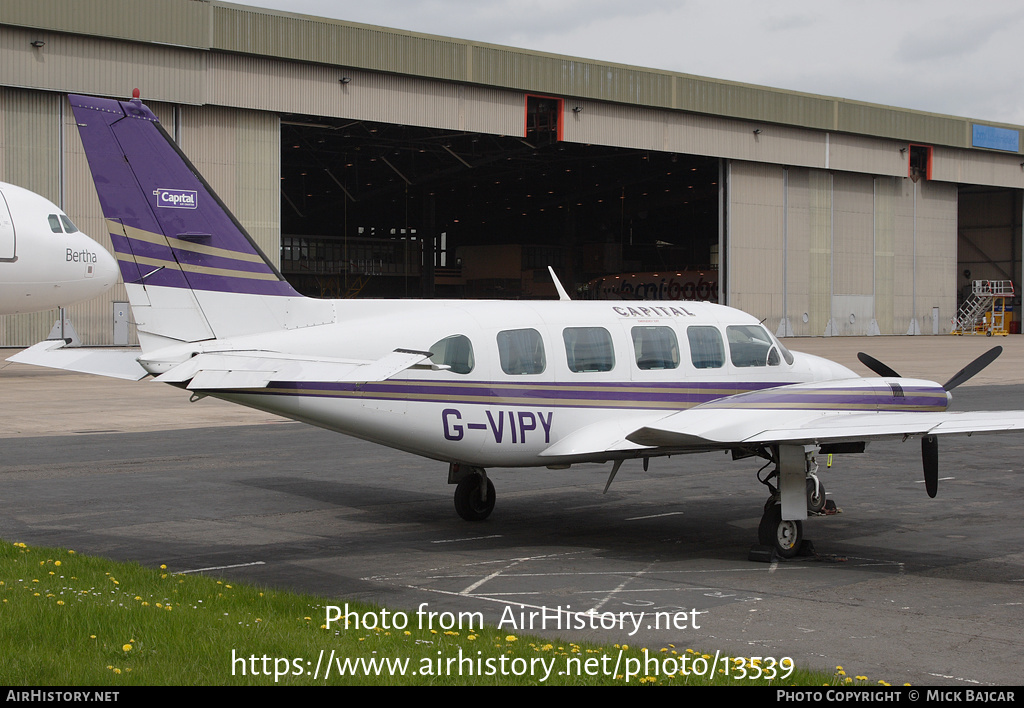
[(818, 252), (297, 38), (755, 253), (288, 87), (106, 67), (181, 22)]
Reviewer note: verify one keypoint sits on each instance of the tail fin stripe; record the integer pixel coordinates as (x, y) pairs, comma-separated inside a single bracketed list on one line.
[(198, 269), (181, 244)]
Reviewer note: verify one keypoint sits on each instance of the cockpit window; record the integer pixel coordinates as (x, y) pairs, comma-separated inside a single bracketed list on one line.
[(69, 227), (751, 345), (786, 354), (54, 223), (456, 352)]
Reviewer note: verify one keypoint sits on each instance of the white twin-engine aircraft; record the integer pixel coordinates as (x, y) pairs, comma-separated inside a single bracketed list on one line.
[(45, 261), (479, 384)]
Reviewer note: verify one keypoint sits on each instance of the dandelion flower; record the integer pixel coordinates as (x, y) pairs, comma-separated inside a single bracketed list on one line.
[(126, 647)]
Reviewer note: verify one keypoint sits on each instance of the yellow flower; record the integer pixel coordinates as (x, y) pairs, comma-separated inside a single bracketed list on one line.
[(511, 638), (56, 562), (126, 647)]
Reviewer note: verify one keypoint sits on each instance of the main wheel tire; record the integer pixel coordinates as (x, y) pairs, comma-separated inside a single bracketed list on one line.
[(785, 537), (467, 498), (815, 497)]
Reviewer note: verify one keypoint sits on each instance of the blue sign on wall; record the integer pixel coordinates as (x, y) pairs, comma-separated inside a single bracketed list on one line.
[(987, 136)]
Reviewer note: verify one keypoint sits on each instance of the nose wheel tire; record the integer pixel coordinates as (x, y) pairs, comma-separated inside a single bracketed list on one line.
[(783, 536), (815, 497), (468, 503)]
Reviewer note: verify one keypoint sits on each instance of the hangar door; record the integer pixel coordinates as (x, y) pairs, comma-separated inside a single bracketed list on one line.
[(821, 252)]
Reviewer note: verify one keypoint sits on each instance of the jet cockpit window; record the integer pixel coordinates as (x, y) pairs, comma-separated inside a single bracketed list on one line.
[(521, 351), (588, 349), (706, 349), (455, 352), (751, 345), (54, 223), (655, 348), (69, 226)]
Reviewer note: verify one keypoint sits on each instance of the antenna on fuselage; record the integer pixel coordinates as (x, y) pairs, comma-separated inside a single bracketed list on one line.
[(562, 295)]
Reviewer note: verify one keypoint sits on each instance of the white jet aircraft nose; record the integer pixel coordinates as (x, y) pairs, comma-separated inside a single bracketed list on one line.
[(106, 268)]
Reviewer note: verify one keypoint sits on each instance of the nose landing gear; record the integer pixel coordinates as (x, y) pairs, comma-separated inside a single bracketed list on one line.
[(780, 534)]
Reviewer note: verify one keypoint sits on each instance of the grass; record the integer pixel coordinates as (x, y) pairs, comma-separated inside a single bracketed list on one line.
[(73, 620)]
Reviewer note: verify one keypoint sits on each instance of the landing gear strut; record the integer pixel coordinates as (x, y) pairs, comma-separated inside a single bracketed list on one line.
[(781, 531), (474, 493)]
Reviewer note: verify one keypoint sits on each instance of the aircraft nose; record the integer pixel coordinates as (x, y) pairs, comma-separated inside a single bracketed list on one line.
[(106, 270)]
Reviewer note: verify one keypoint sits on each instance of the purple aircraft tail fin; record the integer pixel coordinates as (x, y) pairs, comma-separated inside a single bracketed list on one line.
[(168, 227)]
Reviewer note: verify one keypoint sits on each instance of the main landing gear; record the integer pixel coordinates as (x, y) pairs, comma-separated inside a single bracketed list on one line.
[(474, 493), (799, 492)]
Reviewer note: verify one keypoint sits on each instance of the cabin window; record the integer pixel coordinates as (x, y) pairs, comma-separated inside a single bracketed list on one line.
[(455, 352), (54, 223), (706, 348), (521, 351), (751, 345), (588, 349), (69, 226), (655, 348)]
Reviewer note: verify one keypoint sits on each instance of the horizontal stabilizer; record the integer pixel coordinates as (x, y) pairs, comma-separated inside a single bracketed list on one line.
[(52, 354), (252, 370)]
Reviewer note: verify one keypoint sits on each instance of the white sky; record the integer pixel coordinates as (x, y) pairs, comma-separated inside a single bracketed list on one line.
[(947, 56)]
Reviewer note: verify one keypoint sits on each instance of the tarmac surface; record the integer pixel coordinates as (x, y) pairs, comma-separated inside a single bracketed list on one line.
[(903, 588)]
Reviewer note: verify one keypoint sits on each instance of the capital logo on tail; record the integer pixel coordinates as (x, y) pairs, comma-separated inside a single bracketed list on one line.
[(176, 198)]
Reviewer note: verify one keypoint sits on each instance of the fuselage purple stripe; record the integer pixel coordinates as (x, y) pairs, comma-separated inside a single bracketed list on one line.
[(638, 395)]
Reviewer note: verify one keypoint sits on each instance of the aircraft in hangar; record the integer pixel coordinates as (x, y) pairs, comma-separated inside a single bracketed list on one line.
[(480, 384), (45, 261)]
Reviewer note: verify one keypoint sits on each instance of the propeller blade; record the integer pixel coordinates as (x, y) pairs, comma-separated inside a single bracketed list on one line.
[(973, 368), (876, 366), (930, 457)]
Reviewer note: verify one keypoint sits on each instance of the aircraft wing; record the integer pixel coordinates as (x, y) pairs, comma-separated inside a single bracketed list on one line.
[(822, 413), (254, 369), (724, 428)]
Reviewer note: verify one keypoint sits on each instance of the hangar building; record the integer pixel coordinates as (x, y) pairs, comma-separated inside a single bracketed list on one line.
[(375, 162)]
